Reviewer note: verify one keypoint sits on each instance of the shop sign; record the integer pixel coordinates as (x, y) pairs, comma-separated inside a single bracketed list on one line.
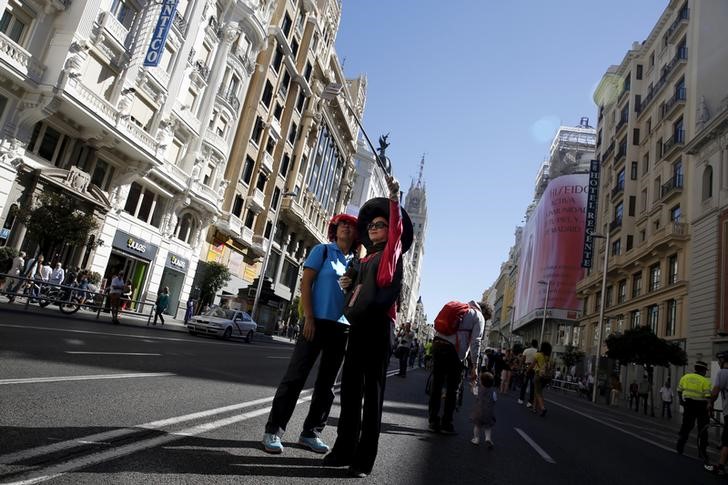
[(176, 263), (134, 245), (590, 224), (159, 35)]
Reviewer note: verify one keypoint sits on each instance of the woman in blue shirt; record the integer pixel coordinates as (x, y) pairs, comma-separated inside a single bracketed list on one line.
[(325, 332)]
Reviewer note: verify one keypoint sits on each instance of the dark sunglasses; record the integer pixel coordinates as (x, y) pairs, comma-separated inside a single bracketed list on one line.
[(376, 225)]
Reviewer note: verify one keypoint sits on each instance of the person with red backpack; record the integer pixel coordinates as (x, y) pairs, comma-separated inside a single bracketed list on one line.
[(458, 332)]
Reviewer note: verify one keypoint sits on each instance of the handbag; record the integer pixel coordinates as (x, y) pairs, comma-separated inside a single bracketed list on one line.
[(367, 300)]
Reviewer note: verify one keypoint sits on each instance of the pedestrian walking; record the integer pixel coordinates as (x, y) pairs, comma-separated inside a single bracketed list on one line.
[(666, 397), (694, 391), (643, 391), (634, 396), (115, 290), (449, 353), (542, 376), (720, 388), (161, 305), (189, 310), (58, 275), (325, 333), (405, 336), (483, 413), (414, 350), (506, 373), (615, 390), (528, 355), (11, 284), (371, 309)]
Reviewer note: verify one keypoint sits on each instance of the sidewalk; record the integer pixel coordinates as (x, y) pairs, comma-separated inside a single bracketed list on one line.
[(126, 319)]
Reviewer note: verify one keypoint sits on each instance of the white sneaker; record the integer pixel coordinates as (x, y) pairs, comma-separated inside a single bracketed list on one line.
[(529, 405), (475, 440), (520, 401)]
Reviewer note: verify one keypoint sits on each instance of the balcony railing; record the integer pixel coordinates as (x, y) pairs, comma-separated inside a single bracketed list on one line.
[(180, 23), (231, 99), (112, 25), (677, 99), (680, 55), (618, 189), (672, 186), (615, 224), (20, 59), (621, 154), (622, 122), (681, 21), (202, 69), (257, 201), (676, 140), (608, 151)]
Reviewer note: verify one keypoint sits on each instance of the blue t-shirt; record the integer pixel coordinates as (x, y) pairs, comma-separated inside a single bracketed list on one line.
[(327, 295)]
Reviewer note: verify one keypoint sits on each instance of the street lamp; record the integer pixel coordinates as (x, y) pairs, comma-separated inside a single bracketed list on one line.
[(600, 325), (545, 305), (261, 277)]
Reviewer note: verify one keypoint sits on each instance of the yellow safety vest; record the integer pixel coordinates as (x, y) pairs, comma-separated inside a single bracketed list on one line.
[(694, 386)]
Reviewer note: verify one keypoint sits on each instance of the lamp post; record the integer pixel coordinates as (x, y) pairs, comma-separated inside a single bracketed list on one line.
[(545, 305), (261, 277), (600, 325)]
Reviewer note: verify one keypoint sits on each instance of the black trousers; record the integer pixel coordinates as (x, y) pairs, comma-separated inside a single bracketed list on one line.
[(695, 411), (403, 358), (364, 377), (527, 381), (330, 342), (447, 369)]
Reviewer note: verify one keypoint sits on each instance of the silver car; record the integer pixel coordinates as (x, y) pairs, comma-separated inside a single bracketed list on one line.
[(223, 322)]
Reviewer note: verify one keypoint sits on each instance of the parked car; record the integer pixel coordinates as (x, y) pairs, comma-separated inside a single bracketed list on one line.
[(223, 322)]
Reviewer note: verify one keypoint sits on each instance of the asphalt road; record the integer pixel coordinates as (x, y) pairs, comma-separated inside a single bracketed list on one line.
[(86, 403)]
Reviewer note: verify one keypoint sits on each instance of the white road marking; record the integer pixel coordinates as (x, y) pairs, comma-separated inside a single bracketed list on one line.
[(75, 352), (56, 471), (277, 357), (73, 341), (535, 446), (35, 380), (605, 423)]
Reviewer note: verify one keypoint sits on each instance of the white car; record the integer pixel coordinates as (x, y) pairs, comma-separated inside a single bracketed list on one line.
[(223, 322)]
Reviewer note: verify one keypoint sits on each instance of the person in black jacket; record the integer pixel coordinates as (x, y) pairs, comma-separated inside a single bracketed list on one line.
[(386, 232)]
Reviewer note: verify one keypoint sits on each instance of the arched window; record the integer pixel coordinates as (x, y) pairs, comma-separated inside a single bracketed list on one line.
[(707, 191), (185, 228)]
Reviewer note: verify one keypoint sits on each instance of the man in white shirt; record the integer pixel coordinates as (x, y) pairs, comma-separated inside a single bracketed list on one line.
[(448, 354), (58, 274), (528, 355)]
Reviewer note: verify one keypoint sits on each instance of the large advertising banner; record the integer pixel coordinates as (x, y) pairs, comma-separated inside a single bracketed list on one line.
[(551, 251)]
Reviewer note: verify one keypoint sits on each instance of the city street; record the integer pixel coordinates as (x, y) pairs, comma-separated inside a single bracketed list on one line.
[(88, 402)]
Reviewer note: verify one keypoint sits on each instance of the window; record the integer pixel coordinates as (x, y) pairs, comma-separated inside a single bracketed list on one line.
[(287, 24), (257, 131), (643, 200), (267, 94), (100, 79), (274, 199), (249, 219), (653, 317), (238, 205), (185, 228), (638, 74), (707, 190), (102, 174), (277, 60), (659, 148), (633, 171), (221, 126), (300, 101), (622, 291), (619, 212), (632, 204), (608, 297), (617, 247), (262, 180), (294, 47), (678, 132), (308, 71), (620, 180), (248, 170), (266, 233), (285, 82), (167, 61), (142, 114), (597, 301), (655, 277), (49, 143), (630, 242), (208, 177), (636, 136), (142, 204), (292, 133), (278, 111), (285, 162), (645, 163), (15, 23), (124, 11), (270, 146), (634, 319), (636, 284), (671, 321), (637, 106), (672, 269), (675, 214)]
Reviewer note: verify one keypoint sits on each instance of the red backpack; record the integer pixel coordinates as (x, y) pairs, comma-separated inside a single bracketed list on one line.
[(448, 320)]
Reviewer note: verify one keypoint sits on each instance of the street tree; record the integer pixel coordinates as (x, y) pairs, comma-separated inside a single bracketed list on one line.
[(58, 220), (214, 277), (572, 356), (642, 347)]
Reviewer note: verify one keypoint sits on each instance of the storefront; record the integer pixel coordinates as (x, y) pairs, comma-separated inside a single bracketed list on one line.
[(133, 256), (173, 277)]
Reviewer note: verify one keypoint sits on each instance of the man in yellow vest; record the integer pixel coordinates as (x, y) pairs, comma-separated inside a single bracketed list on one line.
[(694, 390)]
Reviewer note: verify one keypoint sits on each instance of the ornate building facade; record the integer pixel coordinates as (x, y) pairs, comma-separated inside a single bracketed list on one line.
[(415, 203)]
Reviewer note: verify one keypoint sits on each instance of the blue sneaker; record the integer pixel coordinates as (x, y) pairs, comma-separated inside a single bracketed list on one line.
[(272, 443), (314, 444)]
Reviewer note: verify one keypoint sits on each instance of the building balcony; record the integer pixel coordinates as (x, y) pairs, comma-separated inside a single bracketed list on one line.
[(672, 187), (256, 201), (620, 126), (217, 142), (179, 23), (20, 60), (267, 162), (608, 151), (113, 27), (282, 39), (229, 224), (246, 236), (275, 128), (260, 244), (680, 57), (615, 224), (621, 155), (679, 25), (207, 196), (617, 190), (671, 105), (201, 70), (675, 141), (230, 99)]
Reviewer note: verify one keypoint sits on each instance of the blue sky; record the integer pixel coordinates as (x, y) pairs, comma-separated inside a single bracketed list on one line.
[(480, 87)]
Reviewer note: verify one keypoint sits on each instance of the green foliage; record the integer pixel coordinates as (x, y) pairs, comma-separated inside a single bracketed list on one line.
[(59, 219), (642, 347), (214, 277), (6, 258), (572, 356)]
